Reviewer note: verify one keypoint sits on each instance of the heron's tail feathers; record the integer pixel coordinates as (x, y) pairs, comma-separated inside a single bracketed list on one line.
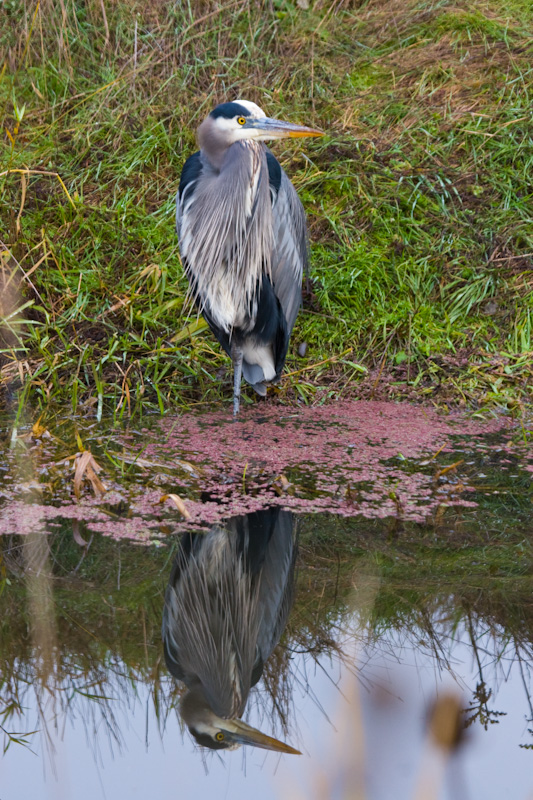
[(260, 388), (258, 364), (254, 374)]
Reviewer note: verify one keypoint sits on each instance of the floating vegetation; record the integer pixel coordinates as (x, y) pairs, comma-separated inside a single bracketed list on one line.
[(373, 460)]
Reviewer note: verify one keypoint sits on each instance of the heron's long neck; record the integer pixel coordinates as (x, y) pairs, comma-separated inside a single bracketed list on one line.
[(243, 171), (232, 233)]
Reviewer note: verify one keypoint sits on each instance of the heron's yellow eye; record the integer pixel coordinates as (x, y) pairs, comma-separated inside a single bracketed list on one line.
[(220, 736), (241, 120)]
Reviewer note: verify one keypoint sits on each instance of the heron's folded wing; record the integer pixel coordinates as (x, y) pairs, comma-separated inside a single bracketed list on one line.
[(289, 257), (276, 591), (190, 173)]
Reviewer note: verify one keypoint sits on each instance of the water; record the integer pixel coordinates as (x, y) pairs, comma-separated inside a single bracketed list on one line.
[(402, 622), (375, 697)]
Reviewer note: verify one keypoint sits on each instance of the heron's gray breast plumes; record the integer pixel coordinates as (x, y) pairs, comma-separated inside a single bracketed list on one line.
[(214, 620), (226, 236)]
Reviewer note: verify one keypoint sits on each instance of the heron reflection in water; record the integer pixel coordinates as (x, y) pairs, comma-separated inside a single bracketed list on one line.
[(226, 605)]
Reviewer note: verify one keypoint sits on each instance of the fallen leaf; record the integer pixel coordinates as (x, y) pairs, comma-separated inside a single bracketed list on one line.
[(282, 485), (449, 468), (38, 430), (76, 535), (178, 502), (87, 467)]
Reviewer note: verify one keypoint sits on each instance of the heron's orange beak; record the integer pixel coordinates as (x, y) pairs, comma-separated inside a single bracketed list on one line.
[(240, 732), (277, 129), (305, 132)]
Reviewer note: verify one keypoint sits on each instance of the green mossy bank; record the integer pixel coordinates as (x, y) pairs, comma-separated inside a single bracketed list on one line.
[(419, 199)]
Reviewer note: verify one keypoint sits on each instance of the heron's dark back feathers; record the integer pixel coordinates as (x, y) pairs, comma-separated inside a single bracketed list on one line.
[(189, 175), (289, 258)]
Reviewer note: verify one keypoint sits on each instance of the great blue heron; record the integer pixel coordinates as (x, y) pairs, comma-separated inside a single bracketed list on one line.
[(242, 238), (226, 605)]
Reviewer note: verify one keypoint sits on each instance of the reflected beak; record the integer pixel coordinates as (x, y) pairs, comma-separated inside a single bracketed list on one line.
[(239, 732), (277, 129)]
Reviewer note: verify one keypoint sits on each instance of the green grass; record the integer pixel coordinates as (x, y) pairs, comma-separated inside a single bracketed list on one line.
[(419, 200)]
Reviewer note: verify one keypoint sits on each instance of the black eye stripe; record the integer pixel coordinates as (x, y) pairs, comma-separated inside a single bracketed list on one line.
[(229, 111)]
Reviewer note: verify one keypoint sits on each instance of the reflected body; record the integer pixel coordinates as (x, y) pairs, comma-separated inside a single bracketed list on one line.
[(226, 605), (242, 238)]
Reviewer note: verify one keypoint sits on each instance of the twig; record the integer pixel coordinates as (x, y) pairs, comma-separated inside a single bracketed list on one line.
[(22, 201), (106, 26), (319, 363), (38, 172), (135, 56)]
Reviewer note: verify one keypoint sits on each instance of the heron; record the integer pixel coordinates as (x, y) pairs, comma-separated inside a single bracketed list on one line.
[(243, 239), (226, 605)]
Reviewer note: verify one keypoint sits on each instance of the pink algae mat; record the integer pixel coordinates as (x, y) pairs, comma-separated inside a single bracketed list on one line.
[(374, 459)]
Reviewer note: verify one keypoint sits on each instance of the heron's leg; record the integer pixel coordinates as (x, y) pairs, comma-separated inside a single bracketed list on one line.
[(236, 357)]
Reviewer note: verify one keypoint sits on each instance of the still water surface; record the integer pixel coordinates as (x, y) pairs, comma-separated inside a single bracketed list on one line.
[(334, 714), (366, 635)]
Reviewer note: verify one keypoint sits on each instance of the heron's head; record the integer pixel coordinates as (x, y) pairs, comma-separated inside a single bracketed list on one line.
[(241, 121), (217, 733)]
